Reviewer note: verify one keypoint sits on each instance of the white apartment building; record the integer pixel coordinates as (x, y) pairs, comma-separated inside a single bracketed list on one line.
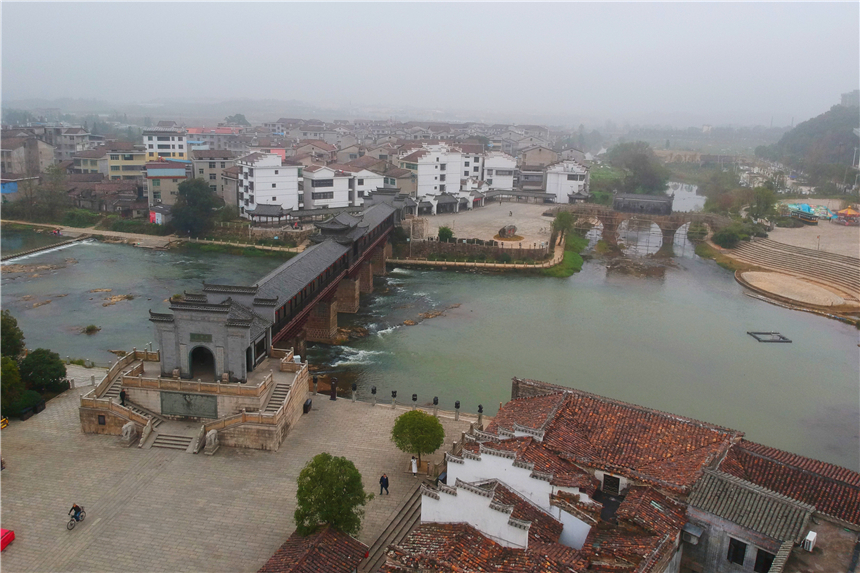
[(325, 188), (263, 180), (363, 182), (166, 143), (499, 170), (565, 180), (438, 167)]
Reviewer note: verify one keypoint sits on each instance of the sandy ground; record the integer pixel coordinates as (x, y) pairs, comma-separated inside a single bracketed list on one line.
[(793, 288), (485, 222), (833, 238)]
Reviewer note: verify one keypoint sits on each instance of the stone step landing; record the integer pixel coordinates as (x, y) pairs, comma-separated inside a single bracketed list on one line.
[(172, 442)]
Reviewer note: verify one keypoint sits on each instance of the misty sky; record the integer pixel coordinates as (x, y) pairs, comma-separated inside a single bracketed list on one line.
[(731, 62)]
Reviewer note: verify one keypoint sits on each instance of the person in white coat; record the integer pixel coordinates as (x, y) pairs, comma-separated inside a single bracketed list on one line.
[(414, 467)]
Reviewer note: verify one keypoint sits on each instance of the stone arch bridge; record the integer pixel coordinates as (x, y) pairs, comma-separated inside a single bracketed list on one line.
[(669, 224)]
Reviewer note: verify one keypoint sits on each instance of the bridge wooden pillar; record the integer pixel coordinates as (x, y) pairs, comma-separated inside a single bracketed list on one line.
[(347, 295), (365, 278), (322, 322)]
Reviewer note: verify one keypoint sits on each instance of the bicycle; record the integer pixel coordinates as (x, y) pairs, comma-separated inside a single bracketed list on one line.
[(73, 522)]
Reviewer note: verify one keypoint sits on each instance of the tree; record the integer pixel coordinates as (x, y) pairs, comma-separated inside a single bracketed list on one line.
[(445, 233), (563, 222), (418, 433), (10, 380), (238, 118), (11, 337), (194, 211), (330, 492), (645, 172), (763, 201), (42, 370)]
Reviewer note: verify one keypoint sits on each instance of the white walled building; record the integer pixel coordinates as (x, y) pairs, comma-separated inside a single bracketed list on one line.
[(165, 143), (263, 180), (363, 182), (566, 180), (499, 170), (325, 187), (438, 168)]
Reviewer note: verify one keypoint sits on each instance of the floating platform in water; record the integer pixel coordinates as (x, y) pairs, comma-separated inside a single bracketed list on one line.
[(769, 336)]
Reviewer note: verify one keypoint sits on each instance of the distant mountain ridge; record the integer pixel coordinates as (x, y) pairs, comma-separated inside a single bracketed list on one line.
[(825, 139)]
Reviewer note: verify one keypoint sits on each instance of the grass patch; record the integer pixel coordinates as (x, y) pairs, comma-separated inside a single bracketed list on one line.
[(234, 250), (572, 260), (706, 251)]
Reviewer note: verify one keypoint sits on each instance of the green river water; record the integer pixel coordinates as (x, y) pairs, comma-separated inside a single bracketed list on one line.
[(677, 343)]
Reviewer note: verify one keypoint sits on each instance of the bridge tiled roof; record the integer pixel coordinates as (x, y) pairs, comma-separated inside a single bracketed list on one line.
[(326, 551), (290, 278)]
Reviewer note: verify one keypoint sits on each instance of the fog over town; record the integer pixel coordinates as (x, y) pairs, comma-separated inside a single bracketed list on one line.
[(565, 64)]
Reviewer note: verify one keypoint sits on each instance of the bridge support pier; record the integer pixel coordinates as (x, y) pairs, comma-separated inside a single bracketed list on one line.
[(347, 295), (322, 322), (377, 260), (610, 228), (365, 278)]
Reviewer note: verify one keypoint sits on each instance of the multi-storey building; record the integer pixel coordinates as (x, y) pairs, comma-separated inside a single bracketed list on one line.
[(209, 165), (568, 181), (161, 181), (499, 170), (67, 141), (165, 143), (117, 161), (325, 187), (25, 155), (438, 169), (264, 180), (220, 138)]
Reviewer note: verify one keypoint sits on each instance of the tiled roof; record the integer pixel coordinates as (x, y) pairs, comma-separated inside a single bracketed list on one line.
[(317, 143), (365, 162), (641, 443), (530, 412), (651, 510), (544, 528), (13, 142), (437, 547), (750, 506), (396, 173), (471, 148), (97, 153), (232, 171), (326, 551), (415, 155), (213, 154), (833, 490)]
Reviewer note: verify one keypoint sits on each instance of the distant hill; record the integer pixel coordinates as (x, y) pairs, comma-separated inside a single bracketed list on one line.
[(826, 139)]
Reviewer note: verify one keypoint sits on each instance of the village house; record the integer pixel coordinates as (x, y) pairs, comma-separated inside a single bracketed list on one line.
[(161, 181), (266, 181), (230, 185), (271, 145), (25, 155), (325, 551), (348, 153), (67, 141), (116, 161), (222, 138), (537, 155), (499, 170), (321, 149), (567, 181), (438, 169), (165, 143), (209, 165), (325, 187)]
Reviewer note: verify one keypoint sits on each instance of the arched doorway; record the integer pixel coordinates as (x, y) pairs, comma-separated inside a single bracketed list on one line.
[(202, 364)]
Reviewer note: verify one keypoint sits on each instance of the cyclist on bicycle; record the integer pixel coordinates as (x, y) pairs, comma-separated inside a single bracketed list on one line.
[(76, 509)]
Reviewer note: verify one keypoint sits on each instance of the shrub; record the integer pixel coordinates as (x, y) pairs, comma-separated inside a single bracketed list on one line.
[(12, 386), (80, 218), (42, 370), (504, 258), (727, 238), (28, 399), (788, 222), (445, 233)]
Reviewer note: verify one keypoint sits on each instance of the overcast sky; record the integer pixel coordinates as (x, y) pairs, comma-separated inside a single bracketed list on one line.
[(730, 62)]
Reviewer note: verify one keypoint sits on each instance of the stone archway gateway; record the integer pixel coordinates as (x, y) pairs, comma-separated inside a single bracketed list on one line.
[(202, 364)]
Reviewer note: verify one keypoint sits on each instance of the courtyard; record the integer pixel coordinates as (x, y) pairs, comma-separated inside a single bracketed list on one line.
[(485, 222), (166, 510)]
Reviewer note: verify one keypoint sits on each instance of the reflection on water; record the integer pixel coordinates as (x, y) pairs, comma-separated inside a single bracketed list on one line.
[(12, 241), (686, 198)]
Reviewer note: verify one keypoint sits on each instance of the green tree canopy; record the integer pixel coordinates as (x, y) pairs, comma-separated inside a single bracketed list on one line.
[(645, 173), (10, 380), (763, 202), (238, 118), (11, 337), (445, 233), (330, 492), (42, 370), (563, 222), (418, 433), (194, 210)]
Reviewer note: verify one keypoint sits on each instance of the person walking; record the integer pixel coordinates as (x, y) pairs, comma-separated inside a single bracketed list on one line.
[(414, 467), (122, 397), (383, 484)]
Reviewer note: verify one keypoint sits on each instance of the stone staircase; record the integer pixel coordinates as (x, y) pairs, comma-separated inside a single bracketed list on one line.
[(156, 419), (113, 390), (408, 516), (839, 271), (172, 442), (276, 400)]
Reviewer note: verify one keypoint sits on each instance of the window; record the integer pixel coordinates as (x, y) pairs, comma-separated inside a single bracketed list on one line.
[(353, 156), (763, 561), (466, 173), (163, 146), (224, 164), (276, 172), (441, 188), (212, 177), (176, 180), (114, 157), (200, 171), (501, 172), (161, 138), (150, 145), (213, 188), (181, 146), (156, 182), (475, 168), (149, 138), (114, 167), (441, 178), (156, 196), (489, 171), (477, 159), (322, 195), (466, 164), (489, 181), (361, 181), (101, 420), (382, 157), (322, 182), (274, 185), (737, 551), (443, 166), (211, 164), (172, 147), (274, 198)]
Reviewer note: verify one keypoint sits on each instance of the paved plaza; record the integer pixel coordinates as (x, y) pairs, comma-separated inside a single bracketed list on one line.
[(166, 510), (485, 222)]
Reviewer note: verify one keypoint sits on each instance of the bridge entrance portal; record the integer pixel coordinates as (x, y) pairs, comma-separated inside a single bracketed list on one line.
[(202, 364)]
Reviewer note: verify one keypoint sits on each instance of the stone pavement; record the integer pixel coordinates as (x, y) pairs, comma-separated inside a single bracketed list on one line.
[(485, 222), (165, 510)]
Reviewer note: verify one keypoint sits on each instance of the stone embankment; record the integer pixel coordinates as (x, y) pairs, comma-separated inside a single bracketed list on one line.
[(801, 276)]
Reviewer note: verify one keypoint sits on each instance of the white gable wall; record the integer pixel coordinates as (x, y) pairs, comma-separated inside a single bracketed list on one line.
[(474, 509)]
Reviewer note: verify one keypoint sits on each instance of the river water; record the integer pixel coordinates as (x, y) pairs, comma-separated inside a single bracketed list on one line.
[(677, 343)]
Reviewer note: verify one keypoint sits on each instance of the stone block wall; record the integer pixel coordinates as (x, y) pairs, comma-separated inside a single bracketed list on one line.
[(322, 322), (347, 295), (254, 436), (424, 248), (113, 422)]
